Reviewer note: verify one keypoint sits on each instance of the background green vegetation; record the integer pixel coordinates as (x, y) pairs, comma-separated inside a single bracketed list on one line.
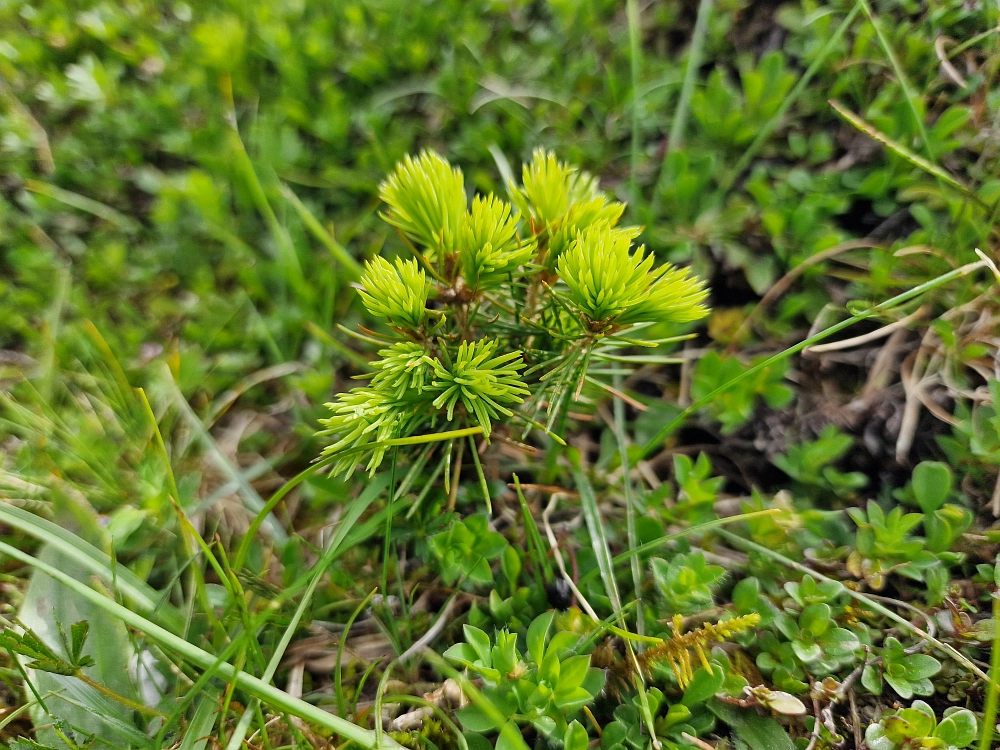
[(186, 191)]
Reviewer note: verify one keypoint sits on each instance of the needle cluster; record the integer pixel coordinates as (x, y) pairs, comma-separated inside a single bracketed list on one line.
[(501, 308)]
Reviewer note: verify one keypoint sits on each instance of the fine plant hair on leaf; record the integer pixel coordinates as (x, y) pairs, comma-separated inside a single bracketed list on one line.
[(426, 196)]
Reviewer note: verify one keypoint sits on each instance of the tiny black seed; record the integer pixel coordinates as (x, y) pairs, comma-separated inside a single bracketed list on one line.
[(560, 594)]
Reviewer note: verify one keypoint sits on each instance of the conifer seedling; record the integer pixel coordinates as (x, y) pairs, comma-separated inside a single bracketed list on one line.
[(501, 309)]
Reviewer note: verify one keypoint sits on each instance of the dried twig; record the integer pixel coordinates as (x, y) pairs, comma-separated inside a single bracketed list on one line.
[(946, 67), (559, 559), (869, 337), (434, 631)]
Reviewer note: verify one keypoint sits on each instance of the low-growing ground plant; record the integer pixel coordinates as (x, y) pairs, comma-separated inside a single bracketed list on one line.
[(311, 438), (531, 299)]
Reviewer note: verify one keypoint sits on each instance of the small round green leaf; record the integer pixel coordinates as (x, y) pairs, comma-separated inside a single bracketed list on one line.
[(703, 685), (958, 729), (932, 481)]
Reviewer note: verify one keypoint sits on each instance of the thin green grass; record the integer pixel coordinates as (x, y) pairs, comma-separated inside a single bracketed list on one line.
[(993, 689), (902, 78), (915, 159), (630, 503), (870, 312), (276, 699), (599, 542), (352, 268), (678, 125), (292, 483), (867, 601), (786, 104), (635, 69), (354, 510)]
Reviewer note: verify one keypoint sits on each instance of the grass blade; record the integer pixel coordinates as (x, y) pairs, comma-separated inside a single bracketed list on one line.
[(287, 255), (679, 124), (140, 594), (355, 508), (595, 525), (278, 699), (993, 691), (338, 669), (676, 137), (483, 484), (338, 346), (904, 82), (198, 731), (251, 498), (292, 483), (630, 502), (899, 299), (635, 58), (915, 159), (82, 203), (789, 100), (592, 516), (338, 251)]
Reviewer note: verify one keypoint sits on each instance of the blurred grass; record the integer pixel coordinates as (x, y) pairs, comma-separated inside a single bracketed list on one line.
[(153, 149), (154, 203)]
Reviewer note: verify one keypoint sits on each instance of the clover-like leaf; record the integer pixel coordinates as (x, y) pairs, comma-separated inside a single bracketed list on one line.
[(575, 737), (932, 482), (907, 674), (958, 728), (703, 685), (466, 549), (538, 635)]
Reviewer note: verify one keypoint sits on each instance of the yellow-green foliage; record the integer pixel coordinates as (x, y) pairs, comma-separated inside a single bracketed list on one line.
[(676, 651), (492, 286), (427, 201), (611, 285)]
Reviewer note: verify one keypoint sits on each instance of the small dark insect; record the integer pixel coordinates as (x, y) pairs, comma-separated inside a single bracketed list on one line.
[(560, 594)]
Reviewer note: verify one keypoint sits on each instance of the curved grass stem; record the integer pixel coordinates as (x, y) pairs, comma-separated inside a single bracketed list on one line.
[(292, 483), (277, 699), (951, 651), (888, 304)]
